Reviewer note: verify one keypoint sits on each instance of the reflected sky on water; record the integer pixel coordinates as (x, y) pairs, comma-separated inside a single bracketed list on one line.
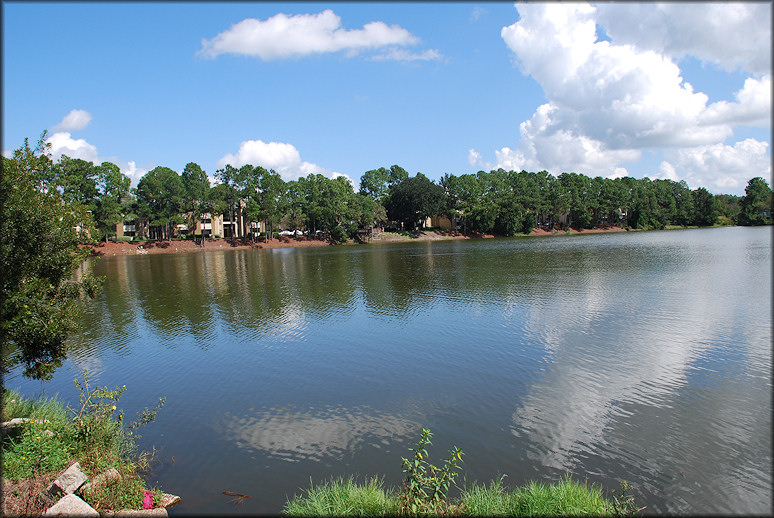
[(631, 356)]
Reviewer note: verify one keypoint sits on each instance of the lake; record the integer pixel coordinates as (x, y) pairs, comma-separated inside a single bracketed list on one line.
[(642, 356)]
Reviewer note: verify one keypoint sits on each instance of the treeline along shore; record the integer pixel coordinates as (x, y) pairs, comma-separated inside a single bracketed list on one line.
[(251, 202)]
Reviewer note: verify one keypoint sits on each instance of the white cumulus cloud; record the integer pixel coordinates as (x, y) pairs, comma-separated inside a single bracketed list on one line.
[(73, 121), (283, 36), (719, 168), (134, 173), (62, 143), (752, 106), (609, 100), (734, 35), (284, 158)]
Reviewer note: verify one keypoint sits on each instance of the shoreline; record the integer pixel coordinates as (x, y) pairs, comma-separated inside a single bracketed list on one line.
[(111, 248)]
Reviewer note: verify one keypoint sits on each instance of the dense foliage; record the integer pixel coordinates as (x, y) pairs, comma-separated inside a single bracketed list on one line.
[(42, 273), (496, 202)]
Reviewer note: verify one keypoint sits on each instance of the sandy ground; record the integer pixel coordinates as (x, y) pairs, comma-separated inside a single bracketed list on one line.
[(211, 245)]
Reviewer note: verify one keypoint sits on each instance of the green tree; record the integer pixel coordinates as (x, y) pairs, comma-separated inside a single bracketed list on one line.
[(684, 204), (267, 199), (365, 211), (113, 189), (757, 204), (397, 175), (77, 181), (413, 200), (41, 264), (727, 206), (375, 183), (704, 212), (160, 199), (215, 203), (196, 188), (582, 201), (233, 181)]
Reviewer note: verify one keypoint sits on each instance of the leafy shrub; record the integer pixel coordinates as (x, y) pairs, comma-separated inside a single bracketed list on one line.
[(338, 234), (425, 489)]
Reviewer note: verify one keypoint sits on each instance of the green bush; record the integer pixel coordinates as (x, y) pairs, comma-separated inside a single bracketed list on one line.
[(724, 221), (426, 486), (338, 234)]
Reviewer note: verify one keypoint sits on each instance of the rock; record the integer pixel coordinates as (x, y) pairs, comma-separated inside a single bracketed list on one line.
[(68, 482), (102, 480), (145, 513), (168, 500), (71, 505), (16, 421)]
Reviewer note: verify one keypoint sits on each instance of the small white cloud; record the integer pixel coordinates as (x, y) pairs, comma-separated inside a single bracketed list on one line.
[(134, 173), (405, 55), (63, 144), (666, 171), (282, 157), (618, 172), (283, 36), (474, 157), (73, 121), (477, 12)]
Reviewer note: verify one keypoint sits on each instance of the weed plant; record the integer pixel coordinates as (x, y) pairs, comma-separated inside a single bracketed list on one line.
[(93, 434)]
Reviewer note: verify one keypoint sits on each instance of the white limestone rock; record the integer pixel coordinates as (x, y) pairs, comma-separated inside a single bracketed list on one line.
[(71, 505), (68, 482)]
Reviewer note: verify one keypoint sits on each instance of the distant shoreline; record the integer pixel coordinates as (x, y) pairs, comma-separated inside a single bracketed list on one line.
[(111, 249)]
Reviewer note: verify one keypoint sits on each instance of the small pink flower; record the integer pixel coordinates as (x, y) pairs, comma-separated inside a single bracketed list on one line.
[(147, 502)]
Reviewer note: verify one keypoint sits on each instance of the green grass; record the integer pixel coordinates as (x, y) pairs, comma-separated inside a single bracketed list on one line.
[(343, 497), (57, 438), (30, 448)]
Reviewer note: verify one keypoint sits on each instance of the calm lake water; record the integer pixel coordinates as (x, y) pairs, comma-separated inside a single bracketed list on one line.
[(643, 357)]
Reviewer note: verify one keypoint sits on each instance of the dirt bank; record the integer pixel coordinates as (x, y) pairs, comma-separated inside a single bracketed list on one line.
[(212, 245), (596, 230)]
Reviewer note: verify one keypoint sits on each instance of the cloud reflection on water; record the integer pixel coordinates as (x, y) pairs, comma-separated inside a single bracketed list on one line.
[(303, 435), (656, 371)]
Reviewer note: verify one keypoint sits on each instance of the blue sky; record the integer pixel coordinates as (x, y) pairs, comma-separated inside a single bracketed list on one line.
[(680, 91)]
